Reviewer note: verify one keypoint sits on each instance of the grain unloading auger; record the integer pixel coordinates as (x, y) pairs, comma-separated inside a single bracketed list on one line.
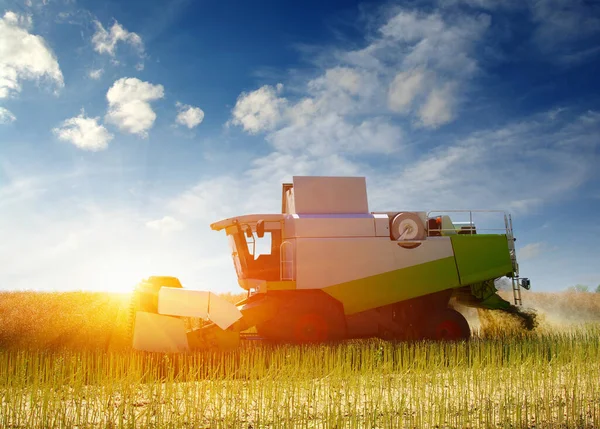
[(336, 271)]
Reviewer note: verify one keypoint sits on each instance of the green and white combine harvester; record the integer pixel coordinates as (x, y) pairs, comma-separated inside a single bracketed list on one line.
[(337, 271)]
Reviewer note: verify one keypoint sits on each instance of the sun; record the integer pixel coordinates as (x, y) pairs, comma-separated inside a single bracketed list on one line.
[(118, 275)]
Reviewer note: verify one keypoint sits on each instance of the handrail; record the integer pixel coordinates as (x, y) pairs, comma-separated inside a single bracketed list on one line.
[(436, 213), (466, 211)]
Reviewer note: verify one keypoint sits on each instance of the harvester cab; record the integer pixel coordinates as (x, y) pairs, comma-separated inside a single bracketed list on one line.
[(326, 268)]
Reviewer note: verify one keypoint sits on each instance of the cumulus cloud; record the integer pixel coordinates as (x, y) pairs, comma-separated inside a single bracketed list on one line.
[(24, 56), (129, 105), (438, 109), (338, 79), (6, 116), (105, 42), (366, 108), (404, 88), (331, 133), (408, 75), (259, 110), (85, 133), (189, 116), (340, 89), (420, 59), (432, 41), (165, 225), (96, 74)]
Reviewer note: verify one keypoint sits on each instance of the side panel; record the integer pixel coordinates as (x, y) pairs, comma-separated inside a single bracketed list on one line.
[(394, 286), (481, 257), (322, 262), (357, 225), (382, 225), (330, 261)]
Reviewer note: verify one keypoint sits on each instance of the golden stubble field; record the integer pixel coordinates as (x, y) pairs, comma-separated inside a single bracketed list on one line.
[(65, 362)]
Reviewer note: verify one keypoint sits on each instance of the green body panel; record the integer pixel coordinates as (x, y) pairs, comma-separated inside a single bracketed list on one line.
[(394, 286), (481, 257)]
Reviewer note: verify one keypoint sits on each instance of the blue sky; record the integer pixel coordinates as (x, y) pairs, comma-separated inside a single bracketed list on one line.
[(126, 128)]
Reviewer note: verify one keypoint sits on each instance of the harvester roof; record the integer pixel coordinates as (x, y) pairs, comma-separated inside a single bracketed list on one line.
[(248, 219)]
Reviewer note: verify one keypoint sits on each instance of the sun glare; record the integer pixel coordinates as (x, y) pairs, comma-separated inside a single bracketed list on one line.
[(120, 276)]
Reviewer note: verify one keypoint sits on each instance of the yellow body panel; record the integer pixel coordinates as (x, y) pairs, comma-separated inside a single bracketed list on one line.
[(281, 285)]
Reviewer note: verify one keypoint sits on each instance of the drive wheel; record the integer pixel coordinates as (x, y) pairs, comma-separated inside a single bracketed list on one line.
[(311, 328), (449, 325)]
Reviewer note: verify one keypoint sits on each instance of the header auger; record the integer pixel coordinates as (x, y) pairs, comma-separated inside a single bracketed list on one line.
[(333, 270)]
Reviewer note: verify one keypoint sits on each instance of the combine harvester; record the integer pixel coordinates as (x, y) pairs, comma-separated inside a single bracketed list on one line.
[(337, 271)]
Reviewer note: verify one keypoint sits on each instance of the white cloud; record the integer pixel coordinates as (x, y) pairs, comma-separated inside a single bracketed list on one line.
[(420, 66), (483, 4), (531, 251), (566, 30), (24, 56), (258, 110), (337, 79), (189, 116), (331, 133), (564, 20), (341, 90), (415, 66), (438, 109), (6, 116), (203, 201), (417, 51), (524, 205), (345, 118), (479, 171), (129, 105), (431, 41), (96, 74), (85, 133), (404, 88), (105, 42), (165, 225)]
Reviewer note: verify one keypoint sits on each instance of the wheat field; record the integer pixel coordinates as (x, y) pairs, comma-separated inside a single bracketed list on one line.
[(65, 362)]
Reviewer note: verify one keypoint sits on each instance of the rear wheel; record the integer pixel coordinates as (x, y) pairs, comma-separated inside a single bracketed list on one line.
[(449, 325)]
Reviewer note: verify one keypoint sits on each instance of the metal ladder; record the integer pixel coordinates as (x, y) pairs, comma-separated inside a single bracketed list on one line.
[(516, 287)]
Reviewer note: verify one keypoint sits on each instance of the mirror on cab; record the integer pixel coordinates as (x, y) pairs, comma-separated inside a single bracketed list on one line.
[(260, 228)]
